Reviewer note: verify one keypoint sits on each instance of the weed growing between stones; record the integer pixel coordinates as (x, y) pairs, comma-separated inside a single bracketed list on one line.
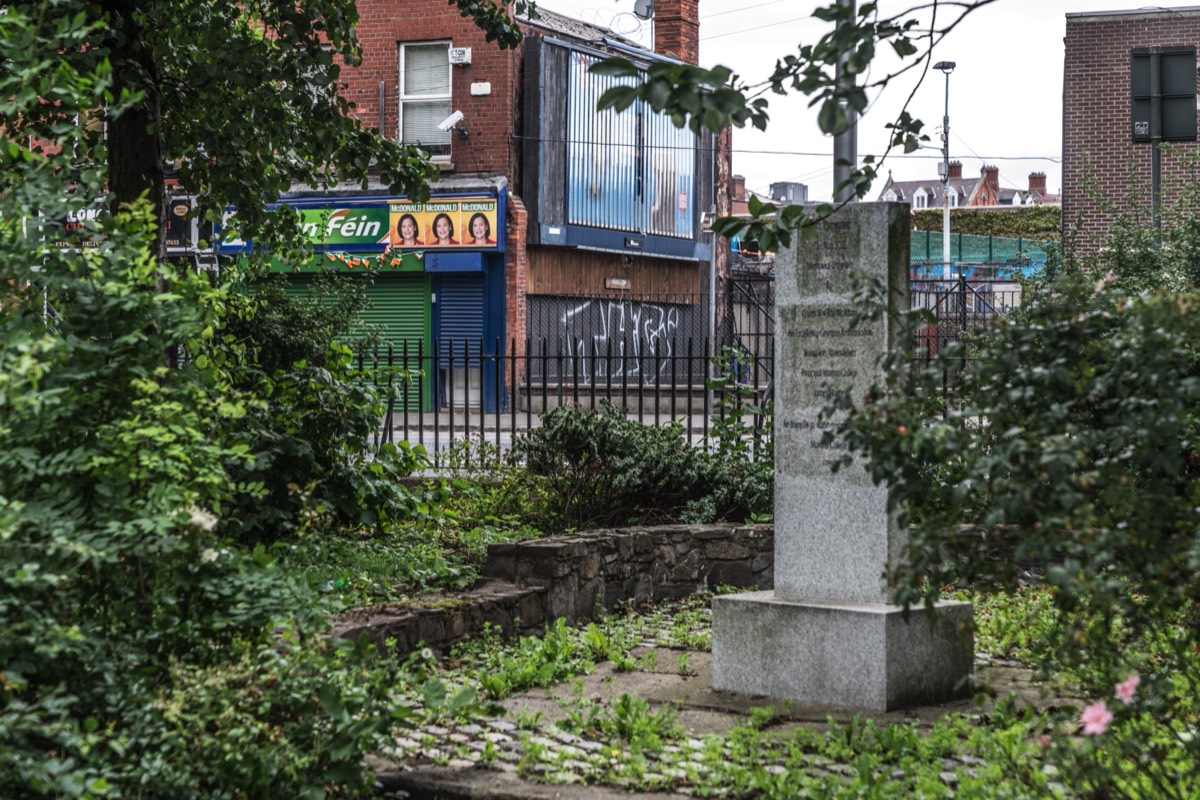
[(1010, 750)]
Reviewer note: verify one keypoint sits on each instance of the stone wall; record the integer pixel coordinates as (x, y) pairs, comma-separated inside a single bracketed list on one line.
[(527, 585)]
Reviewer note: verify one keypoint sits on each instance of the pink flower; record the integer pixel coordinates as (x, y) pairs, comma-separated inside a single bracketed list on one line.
[(1095, 718), (1125, 689)]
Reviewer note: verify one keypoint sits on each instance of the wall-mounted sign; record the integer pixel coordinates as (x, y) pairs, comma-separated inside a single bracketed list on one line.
[(379, 225), (74, 230), (444, 223), (1162, 83)]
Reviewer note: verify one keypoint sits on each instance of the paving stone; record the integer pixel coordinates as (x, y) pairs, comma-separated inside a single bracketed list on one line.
[(459, 738), (460, 763), (501, 725), (497, 737), (437, 730), (949, 778), (471, 729)]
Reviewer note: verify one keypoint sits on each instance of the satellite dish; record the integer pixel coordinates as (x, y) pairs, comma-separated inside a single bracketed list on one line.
[(643, 9)]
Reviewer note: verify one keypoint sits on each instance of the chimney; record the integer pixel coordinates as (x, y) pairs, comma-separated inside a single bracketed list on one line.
[(677, 29), (739, 187), (1037, 183), (991, 176), (956, 170)]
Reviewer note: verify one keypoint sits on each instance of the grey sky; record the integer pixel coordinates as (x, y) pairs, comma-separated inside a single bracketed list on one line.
[(1005, 94)]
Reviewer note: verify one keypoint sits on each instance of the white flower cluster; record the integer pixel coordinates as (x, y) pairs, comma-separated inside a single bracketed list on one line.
[(202, 519)]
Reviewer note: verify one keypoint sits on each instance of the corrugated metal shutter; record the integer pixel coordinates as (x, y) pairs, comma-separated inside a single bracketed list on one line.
[(460, 303), (603, 152), (399, 307), (400, 313), (460, 326)]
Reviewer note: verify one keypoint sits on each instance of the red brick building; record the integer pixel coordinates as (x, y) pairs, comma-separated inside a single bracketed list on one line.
[(984, 191), (1099, 154), (600, 235)]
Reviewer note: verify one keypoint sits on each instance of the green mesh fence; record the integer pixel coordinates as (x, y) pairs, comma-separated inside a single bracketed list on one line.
[(965, 247)]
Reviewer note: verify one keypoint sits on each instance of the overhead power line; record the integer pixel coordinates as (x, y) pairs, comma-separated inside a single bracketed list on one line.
[(756, 28)]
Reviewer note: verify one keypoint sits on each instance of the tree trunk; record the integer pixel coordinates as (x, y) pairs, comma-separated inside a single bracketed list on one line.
[(135, 144)]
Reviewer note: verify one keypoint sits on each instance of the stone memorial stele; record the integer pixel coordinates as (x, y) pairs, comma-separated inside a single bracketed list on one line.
[(828, 633)]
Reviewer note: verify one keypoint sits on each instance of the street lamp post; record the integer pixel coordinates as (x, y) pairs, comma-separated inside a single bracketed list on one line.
[(946, 67)]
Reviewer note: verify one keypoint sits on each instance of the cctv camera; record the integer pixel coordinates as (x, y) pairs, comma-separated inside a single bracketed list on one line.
[(450, 121)]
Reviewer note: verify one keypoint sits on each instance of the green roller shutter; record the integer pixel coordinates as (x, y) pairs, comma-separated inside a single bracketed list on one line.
[(399, 312)]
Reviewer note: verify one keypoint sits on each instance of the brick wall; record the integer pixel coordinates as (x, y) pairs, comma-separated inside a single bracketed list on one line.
[(1097, 143), (517, 274), (493, 121), (490, 119), (677, 29)]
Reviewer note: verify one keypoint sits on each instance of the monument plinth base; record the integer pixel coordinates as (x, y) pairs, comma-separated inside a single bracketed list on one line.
[(847, 655)]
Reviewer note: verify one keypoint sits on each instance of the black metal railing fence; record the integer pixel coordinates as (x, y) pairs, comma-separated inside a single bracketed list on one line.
[(444, 392)]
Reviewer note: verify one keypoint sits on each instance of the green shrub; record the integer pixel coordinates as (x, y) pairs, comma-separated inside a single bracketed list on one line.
[(308, 432), (1041, 223), (1072, 443), (142, 655), (737, 469), (604, 469)]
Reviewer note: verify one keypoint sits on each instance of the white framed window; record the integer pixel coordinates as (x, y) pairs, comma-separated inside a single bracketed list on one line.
[(425, 96), (919, 199), (953, 199), (890, 195)]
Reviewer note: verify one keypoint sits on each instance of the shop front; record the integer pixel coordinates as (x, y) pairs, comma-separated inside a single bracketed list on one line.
[(435, 283)]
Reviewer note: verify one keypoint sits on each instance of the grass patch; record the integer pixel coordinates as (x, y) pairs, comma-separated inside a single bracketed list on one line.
[(358, 568)]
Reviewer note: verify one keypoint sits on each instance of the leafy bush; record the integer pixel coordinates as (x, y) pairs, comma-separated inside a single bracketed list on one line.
[(1071, 442), (603, 469), (737, 473), (307, 433), (127, 622), (1043, 223)]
